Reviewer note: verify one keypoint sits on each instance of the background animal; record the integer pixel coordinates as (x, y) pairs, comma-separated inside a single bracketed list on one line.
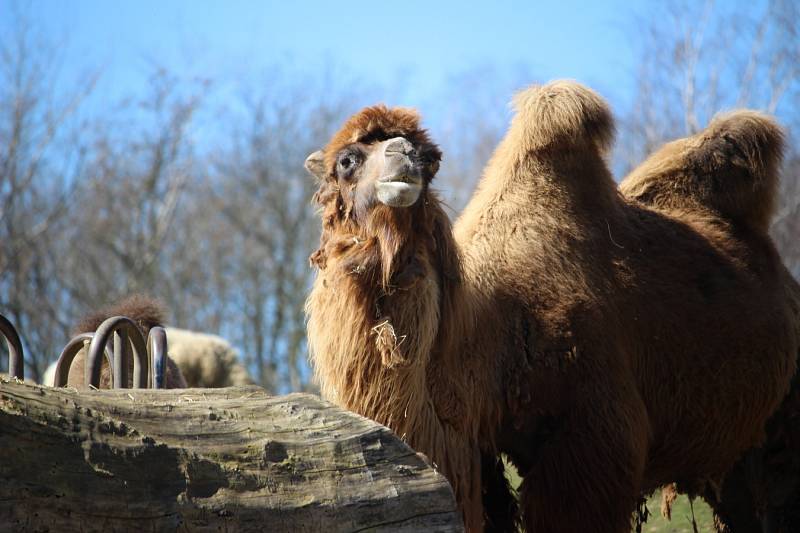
[(721, 169), (606, 347), (146, 313), (204, 360)]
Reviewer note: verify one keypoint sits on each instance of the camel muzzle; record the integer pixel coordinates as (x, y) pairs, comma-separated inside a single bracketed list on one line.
[(400, 183)]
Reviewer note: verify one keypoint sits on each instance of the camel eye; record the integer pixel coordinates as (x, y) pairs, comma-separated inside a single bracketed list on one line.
[(346, 163)]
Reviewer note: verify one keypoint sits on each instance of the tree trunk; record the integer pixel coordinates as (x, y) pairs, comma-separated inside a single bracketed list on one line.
[(230, 459)]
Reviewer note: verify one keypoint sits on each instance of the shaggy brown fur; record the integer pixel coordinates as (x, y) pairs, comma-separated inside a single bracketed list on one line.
[(730, 167), (741, 150), (146, 313), (606, 347), (379, 123)]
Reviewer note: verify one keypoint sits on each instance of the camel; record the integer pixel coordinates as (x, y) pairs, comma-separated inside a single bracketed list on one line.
[(206, 361), (606, 347), (723, 168), (146, 313)]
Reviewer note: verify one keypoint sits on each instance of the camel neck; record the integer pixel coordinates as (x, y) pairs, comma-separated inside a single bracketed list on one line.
[(397, 355)]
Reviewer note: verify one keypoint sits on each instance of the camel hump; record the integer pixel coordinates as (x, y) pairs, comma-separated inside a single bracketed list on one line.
[(731, 167), (562, 113), (145, 311)]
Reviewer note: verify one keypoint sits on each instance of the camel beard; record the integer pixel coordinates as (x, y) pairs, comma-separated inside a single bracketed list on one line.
[(384, 358), (374, 361)]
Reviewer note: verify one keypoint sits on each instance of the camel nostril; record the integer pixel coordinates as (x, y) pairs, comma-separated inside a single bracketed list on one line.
[(399, 145)]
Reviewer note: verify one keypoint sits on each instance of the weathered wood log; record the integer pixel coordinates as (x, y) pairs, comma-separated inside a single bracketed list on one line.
[(230, 459)]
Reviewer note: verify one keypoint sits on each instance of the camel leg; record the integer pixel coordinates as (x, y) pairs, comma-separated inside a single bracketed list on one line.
[(500, 507), (588, 476)]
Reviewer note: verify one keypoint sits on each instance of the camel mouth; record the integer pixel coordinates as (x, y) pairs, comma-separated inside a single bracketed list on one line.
[(401, 178), (398, 191)]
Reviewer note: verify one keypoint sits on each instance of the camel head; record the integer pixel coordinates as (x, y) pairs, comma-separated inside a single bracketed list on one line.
[(392, 172), (373, 179), (380, 155)]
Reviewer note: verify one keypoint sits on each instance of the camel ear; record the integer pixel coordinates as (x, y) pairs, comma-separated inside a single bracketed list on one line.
[(315, 164)]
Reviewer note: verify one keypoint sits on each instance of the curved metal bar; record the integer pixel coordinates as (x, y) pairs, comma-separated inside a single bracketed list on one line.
[(73, 347), (121, 354), (157, 345), (16, 359), (101, 337)]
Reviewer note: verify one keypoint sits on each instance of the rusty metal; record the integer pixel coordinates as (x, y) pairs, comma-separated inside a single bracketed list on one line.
[(73, 347), (157, 346), (16, 358), (127, 328)]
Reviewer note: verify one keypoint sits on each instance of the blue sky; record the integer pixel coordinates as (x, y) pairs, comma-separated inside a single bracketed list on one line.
[(428, 55), (411, 46)]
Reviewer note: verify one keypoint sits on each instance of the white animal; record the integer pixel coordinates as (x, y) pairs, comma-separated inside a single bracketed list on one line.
[(205, 360)]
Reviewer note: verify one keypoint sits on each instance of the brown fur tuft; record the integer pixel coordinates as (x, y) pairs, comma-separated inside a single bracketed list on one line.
[(730, 167), (563, 113), (145, 311), (378, 123)]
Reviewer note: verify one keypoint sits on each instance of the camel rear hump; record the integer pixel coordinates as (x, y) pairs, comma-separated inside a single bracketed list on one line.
[(731, 167)]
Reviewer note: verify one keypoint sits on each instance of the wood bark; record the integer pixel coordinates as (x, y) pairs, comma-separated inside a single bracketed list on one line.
[(233, 459)]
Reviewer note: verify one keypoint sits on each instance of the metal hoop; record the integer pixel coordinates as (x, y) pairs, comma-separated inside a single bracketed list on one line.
[(157, 345), (16, 359), (125, 333), (75, 345)]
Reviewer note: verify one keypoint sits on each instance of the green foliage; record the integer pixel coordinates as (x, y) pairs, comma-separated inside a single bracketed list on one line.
[(681, 516), (681, 511)]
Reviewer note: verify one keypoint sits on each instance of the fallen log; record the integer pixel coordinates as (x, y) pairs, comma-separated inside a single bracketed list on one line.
[(232, 459)]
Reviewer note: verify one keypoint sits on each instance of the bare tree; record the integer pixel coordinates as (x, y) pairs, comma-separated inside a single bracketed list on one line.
[(40, 159), (222, 236), (262, 194), (129, 194), (217, 222)]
